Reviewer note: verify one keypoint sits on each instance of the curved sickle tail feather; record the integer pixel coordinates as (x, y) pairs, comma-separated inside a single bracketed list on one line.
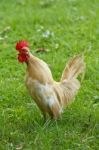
[(75, 67), (69, 83)]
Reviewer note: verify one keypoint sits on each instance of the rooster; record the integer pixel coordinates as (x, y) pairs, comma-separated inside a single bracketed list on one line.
[(50, 96)]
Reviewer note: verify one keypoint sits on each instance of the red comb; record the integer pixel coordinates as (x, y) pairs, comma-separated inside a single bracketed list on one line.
[(21, 44)]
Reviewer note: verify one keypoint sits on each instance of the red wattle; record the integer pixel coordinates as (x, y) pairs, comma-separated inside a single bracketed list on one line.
[(23, 57)]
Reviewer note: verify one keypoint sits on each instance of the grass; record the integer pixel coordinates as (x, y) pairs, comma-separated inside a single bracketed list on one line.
[(65, 28)]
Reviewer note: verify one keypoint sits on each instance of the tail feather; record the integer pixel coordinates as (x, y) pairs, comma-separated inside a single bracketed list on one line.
[(75, 67), (69, 85)]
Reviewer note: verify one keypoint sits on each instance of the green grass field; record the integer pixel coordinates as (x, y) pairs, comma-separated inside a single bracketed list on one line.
[(65, 28)]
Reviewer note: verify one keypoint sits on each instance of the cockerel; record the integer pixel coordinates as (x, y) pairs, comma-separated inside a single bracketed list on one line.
[(50, 96)]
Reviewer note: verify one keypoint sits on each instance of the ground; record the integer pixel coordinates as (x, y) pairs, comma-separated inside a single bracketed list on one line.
[(64, 28)]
